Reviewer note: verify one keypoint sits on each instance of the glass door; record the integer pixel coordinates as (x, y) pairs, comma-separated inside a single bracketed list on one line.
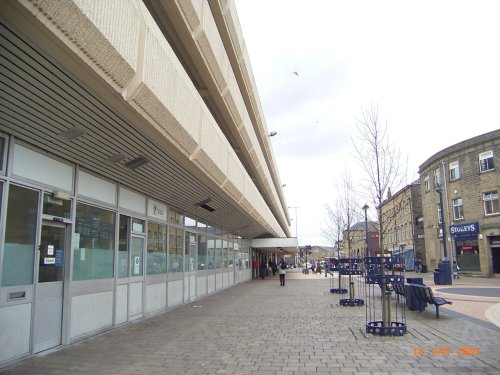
[(49, 287)]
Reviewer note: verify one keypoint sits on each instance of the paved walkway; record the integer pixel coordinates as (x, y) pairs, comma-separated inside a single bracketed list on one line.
[(262, 328)]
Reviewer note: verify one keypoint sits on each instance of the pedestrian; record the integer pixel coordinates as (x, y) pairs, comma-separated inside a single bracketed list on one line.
[(418, 264), (273, 266), (456, 268), (327, 268), (282, 272), (263, 268)]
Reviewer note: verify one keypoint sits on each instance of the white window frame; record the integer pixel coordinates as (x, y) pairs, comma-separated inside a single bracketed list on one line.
[(427, 185), (458, 208), (484, 157), (488, 198), (437, 177), (454, 170)]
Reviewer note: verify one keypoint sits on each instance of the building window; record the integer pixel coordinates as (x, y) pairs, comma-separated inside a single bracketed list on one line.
[(123, 246), (437, 178), (175, 250), (175, 218), (190, 251), (93, 254), (202, 252), (491, 203), (157, 249), (458, 209), (486, 161), (426, 183), (454, 171), (20, 237)]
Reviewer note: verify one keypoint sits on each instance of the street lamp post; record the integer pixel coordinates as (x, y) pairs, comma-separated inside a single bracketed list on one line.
[(365, 208), (296, 225), (445, 270)]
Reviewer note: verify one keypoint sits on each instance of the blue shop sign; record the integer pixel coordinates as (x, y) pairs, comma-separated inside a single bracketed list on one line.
[(469, 228)]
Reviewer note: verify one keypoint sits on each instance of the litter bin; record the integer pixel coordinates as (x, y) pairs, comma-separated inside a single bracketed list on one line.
[(437, 280), (424, 268), (414, 304)]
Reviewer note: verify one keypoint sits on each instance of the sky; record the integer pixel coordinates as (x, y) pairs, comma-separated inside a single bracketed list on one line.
[(432, 68)]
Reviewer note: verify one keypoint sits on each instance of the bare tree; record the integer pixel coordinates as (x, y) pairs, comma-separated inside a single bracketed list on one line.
[(383, 167), (342, 216), (381, 161)]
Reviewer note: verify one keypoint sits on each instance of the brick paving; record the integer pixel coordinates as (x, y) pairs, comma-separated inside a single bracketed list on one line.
[(262, 328)]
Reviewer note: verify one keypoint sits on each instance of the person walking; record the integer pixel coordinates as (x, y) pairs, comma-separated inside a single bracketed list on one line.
[(263, 268), (282, 272), (327, 268), (456, 268)]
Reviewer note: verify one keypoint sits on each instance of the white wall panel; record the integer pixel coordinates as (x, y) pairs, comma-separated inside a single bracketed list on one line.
[(15, 324), (38, 167), (132, 201), (156, 297), (94, 187), (135, 302), (175, 293), (210, 284), (121, 311), (91, 312), (201, 286)]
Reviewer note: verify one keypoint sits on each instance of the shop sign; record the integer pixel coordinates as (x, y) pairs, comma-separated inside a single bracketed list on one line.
[(468, 228), (157, 210)]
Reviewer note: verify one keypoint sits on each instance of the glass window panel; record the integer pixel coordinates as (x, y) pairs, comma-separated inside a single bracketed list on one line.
[(457, 208), (230, 254), (56, 207), (94, 243), (123, 247), (51, 254), (190, 250), (426, 183), (218, 254), (175, 250), (202, 252), (138, 225), (136, 256), (486, 161), (189, 223), (157, 249), (224, 254), (491, 205), (202, 227), (454, 171), (211, 245), (20, 236), (174, 217)]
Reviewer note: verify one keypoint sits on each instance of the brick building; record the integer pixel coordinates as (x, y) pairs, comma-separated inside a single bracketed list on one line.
[(403, 224), (468, 175)]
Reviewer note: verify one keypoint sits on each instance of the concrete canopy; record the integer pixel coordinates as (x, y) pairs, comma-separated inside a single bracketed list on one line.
[(285, 245)]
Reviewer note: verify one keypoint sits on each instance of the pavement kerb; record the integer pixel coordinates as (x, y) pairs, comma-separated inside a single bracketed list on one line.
[(493, 314)]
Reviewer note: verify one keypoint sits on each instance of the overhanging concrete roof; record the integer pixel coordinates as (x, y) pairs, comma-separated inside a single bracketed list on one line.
[(286, 245)]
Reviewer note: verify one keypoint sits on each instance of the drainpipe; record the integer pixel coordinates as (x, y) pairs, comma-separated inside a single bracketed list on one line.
[(452, 252)]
